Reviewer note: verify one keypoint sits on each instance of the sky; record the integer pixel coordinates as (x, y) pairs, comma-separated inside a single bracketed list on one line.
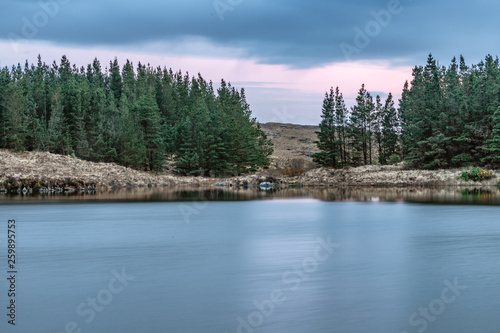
[(285, 53)]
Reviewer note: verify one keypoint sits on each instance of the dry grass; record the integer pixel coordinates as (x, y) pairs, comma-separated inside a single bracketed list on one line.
[(296, 167), (52, 170), (291, 141), (390, 175), (293, 147)]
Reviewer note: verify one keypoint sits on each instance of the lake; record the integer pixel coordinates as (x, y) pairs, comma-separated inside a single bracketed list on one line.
[(218, 261)]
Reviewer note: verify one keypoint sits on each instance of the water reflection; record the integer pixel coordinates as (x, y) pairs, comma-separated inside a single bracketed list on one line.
[(451, 195)]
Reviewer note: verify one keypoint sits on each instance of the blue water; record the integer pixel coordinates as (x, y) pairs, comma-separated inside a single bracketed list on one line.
[(253, 266)]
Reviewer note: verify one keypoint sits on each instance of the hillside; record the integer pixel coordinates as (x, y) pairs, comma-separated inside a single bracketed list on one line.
[(291, 142)]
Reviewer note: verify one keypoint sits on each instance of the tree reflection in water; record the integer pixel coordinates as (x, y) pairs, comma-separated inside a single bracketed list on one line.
[(444, 195)]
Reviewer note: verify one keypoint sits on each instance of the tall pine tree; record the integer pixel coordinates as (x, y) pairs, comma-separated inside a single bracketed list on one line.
[(327, 143)]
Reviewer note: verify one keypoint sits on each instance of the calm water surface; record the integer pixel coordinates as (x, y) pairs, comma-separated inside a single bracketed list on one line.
[(295, 265)]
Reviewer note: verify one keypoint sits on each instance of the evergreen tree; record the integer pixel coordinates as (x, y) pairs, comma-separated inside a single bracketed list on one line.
[(377, 127), (492, 146), (390, 126), (447, 114), (361, 123), (15, 118), (416, 123), (131, 148), (187, 158), (128, 82), (128, 118), (153, 140), (58, 141), (453, 105), (216, 157), (116, 84), (327, 142), (341, 121), (5, 80)]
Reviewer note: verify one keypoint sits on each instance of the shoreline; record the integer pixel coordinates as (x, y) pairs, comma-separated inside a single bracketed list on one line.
[(35, 171)]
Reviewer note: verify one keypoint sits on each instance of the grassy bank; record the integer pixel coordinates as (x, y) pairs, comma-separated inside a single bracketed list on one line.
[(42, 170)]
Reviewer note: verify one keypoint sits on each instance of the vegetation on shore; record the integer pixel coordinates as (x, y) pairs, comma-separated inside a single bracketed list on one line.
[(477, 174), (448, 117), (43, 170), (448, 121), (137, 118)]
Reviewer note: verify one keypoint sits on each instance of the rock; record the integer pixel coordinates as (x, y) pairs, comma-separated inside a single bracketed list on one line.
[(266, 185)]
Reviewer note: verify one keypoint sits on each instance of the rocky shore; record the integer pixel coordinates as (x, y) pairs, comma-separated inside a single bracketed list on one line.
[(41, 172)]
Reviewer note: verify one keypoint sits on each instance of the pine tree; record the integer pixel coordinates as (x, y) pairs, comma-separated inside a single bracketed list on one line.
[(15, 118), (150, 121), (41, 94), (129, 82), (341, 121), (115, 84), (5, 80), (416, 123), (492, 146), (216, 158), (59, 143), (436, 145), (453, 105), (110, 127), (131, 148), (71, 102), (361, 122), (390, 126), (327, 142), (187, 158), (128, 118), (377, 127)]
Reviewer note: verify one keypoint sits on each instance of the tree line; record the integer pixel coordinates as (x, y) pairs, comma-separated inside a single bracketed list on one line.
[(140, 118), (447, 117), (366, 133)]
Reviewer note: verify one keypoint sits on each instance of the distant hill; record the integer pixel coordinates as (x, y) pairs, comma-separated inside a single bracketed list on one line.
[(291, 141)]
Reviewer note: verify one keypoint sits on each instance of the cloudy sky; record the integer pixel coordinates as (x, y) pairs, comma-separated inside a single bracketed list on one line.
[(285, 53)]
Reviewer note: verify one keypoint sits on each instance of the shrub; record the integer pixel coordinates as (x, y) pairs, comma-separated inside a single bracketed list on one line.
[(476, 174), (393, 159)]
